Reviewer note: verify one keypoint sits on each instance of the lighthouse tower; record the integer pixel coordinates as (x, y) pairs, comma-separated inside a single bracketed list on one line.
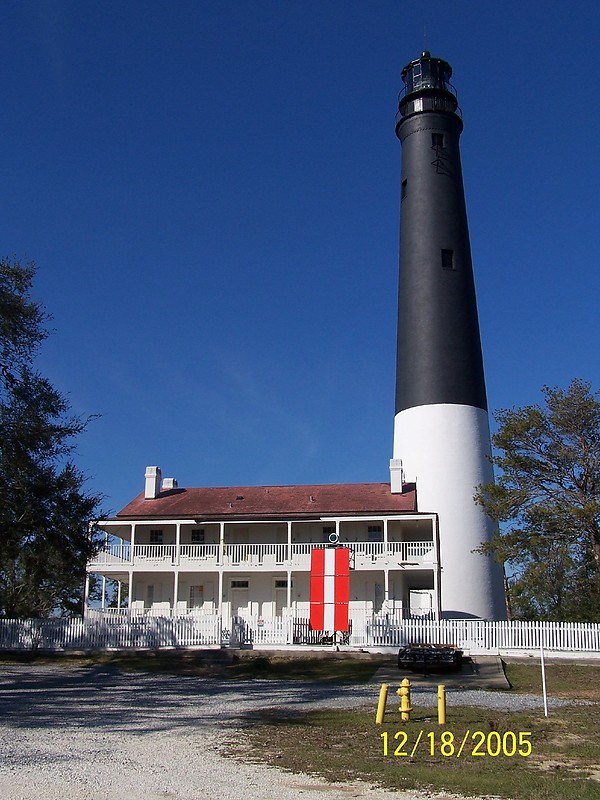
[(441, 430)]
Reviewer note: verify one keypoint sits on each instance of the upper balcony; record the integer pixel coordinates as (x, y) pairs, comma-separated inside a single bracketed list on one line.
[(263, 557)]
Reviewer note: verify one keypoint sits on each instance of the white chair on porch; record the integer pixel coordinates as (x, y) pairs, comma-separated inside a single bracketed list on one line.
[(137, 608), (160, 609), (181, 608)]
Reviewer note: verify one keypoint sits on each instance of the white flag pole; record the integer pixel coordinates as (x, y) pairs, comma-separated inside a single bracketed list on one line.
[(543, 664)]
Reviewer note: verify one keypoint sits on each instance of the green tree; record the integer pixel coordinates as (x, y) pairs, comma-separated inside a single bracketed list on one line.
[(45, 511), (548, 497)]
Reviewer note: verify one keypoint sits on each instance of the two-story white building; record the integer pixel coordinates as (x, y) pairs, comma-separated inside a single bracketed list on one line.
[(245, 551)]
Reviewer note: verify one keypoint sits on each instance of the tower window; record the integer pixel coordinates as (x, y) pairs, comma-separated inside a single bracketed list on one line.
[(448, 259), (437, 139), (403, 189)]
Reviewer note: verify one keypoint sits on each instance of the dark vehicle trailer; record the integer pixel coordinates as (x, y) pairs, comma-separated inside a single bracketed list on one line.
[(418, 657)]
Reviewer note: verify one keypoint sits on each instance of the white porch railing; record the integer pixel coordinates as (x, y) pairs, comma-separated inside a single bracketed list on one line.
[(118, 629), (412, 551), (199, 552), (262, 556), (114, 554), (154, 552), (254, 554)]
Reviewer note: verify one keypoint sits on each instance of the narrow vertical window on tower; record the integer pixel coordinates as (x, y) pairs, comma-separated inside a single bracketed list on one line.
[(448, 259), (403, 189), (437, 139)]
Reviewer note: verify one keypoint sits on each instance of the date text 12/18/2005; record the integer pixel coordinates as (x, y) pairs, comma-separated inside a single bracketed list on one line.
[(473, 743)]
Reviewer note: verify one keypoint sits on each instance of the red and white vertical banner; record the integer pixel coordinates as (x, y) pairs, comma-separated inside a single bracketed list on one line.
[(329, 588)]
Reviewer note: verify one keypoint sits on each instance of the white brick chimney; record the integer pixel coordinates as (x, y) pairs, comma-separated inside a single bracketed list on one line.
[(396, 475), (153, 478)]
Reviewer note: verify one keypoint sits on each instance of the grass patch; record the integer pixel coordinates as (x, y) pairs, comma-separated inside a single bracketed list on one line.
[(563, 679), (344, 746)]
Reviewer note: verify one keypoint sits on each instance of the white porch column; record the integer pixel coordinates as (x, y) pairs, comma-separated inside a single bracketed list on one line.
[(103, 592), (386, 589), (86, 594), (131, 555), (437, 595), (175, 590), (288, 602), (177, 542), (219, 609), (221, 546), (386, 574), (131, 595), (289, 542)]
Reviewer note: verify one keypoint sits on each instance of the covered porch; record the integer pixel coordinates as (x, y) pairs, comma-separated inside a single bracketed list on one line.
[(376, 542), (407, 591)]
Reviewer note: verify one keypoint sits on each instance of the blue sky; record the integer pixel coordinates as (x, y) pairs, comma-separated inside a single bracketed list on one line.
[(210, 191)]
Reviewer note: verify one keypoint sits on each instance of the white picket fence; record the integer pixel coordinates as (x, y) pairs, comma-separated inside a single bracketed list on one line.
[(479, 636), (206, 630), (112, 632)]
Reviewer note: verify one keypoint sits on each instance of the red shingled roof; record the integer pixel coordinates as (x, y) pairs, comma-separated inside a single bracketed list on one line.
[(267, 502)]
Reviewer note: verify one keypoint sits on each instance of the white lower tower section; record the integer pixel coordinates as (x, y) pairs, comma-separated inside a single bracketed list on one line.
[(445, 450)]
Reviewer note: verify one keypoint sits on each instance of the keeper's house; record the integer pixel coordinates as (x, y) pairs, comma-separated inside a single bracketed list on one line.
[(245, 551)]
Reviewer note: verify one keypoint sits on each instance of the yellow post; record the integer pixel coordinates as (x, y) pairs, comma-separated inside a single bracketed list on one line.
[(383, 693), (404, 694), (441, 704)]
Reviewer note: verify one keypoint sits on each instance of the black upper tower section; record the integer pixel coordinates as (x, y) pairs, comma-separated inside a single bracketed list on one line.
[(439, 349)]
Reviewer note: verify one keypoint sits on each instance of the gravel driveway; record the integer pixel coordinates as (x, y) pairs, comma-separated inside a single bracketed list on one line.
[(77, 733)]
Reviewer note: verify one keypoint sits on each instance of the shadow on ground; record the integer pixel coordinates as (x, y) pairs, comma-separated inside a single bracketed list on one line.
[(477, 672), (103, 696)]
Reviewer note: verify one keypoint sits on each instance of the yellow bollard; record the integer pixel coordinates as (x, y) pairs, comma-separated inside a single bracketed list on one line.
[(383, 693), (441, 704), (404, 694)]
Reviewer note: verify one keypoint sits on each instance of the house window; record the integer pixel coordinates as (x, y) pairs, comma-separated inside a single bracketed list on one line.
[(198, 536), (149, 594), (437, 139), (281, 583), (375, 533), (156, 537), (239, 584), (447, 259)]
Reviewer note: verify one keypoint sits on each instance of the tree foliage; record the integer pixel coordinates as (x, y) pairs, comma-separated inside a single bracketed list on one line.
[(548, 496), (44, 509)]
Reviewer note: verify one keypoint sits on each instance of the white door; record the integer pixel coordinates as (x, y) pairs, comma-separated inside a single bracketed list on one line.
[(239, 602), (280, 600)]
